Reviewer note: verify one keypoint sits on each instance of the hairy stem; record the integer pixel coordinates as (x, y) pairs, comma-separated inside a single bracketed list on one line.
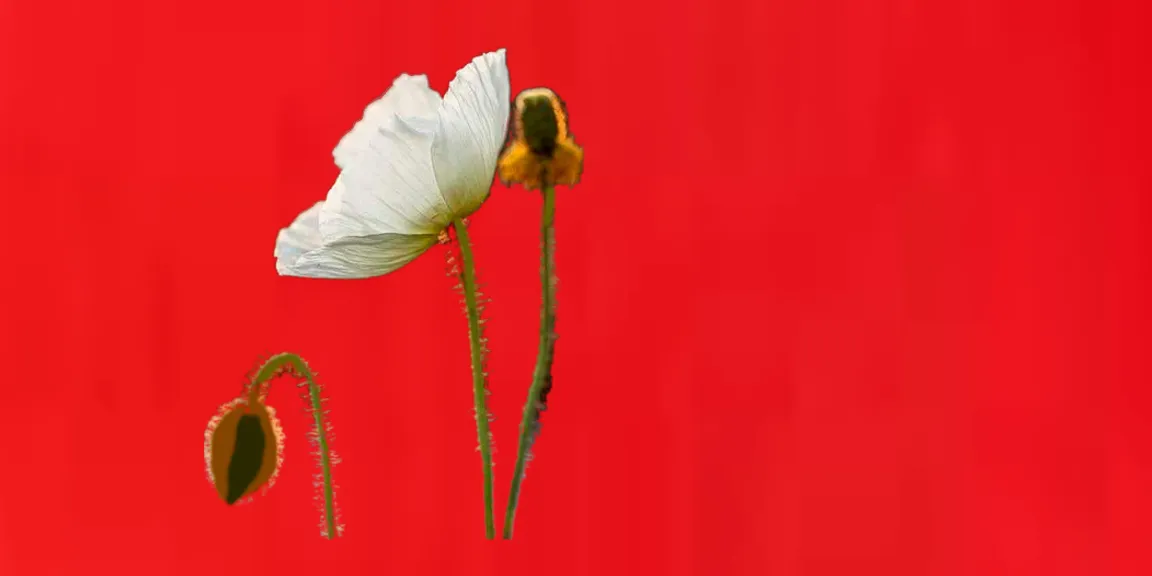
[(542, 376), (479, 391), (272, 368)]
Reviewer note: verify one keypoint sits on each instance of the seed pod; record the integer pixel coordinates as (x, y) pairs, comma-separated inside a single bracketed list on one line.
[(243, 448)]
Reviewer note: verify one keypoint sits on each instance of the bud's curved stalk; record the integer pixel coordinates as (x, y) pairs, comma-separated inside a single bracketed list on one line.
[(244, 445), (540, 154), (478, 344)]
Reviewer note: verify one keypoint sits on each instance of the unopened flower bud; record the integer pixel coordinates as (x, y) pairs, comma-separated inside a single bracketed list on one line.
[(243, 448)]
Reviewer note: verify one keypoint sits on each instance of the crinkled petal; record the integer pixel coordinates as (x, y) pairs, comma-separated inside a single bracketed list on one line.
[(300, 251), (388, 188), (365, 257), (409, 97), (473, 123), (299, 238)]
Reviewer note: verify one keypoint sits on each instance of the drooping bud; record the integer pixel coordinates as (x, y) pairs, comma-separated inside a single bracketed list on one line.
[(243, 448)]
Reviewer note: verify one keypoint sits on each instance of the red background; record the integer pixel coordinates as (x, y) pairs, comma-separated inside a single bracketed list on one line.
[(848, 288)]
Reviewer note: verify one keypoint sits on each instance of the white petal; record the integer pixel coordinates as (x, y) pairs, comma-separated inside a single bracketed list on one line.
[(353, 258), (302, 236), (387, 188), (472, 128), (409, 96)]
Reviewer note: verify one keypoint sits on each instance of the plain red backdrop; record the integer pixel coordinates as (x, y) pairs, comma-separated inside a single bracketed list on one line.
[(849, 288)]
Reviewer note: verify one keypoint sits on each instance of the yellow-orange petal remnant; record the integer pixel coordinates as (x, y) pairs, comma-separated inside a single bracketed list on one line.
[(540, 145), (243, 448)]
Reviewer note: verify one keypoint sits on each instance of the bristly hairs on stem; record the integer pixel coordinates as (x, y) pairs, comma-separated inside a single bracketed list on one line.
[(250, 377), (464, 269), (320, 436)]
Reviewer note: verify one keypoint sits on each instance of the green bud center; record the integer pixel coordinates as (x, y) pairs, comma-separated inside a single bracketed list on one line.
[(246, 458)]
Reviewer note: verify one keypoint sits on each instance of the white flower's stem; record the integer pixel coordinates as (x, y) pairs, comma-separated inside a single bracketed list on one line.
[(542, 376), (468, 280)]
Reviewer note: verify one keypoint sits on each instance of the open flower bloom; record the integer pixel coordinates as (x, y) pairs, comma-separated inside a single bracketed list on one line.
[(413, 165), (541, 147)]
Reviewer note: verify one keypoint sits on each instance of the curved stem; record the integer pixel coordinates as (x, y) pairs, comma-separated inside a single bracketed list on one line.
[(271, 369), (468, 279), (542, 376)]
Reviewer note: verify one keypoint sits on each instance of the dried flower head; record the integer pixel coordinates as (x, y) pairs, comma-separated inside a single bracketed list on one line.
[(540, 146)]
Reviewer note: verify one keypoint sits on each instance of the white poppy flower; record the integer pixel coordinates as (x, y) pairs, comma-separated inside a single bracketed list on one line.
[(411, 167)]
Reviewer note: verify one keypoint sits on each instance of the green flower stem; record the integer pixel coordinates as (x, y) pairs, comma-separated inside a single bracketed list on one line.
[(468, 279), (270, 370), (542, 376)]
